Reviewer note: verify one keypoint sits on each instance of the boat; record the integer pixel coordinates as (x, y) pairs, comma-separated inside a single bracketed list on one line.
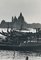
[(21, 41)]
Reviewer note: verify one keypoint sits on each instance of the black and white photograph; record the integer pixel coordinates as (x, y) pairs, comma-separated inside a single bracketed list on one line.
[(20, 29)]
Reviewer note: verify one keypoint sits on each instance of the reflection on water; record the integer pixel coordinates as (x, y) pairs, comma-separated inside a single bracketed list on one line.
[(10, 55)]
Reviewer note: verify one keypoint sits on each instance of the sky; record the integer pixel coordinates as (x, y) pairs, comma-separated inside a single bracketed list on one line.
[(31, 10)]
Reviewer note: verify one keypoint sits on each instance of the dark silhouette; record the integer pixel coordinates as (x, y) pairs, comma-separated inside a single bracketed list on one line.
[(27, 58), (19, 22)]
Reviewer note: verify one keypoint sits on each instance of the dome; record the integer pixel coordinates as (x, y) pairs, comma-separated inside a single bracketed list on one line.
[(21, 17), (15, 19)]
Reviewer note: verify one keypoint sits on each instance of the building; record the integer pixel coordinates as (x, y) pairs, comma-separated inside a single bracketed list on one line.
[(18, 23)]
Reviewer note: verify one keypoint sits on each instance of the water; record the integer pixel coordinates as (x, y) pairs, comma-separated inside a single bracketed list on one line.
[(9, 55)]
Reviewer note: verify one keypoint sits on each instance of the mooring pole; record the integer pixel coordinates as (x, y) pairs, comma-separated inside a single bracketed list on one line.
[(14, 54), (27, 58)]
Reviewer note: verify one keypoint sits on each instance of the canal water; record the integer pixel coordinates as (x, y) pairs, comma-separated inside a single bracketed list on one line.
[(19, 55)]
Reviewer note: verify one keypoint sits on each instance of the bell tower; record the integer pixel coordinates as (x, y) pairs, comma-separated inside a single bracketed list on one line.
[(12, 19)]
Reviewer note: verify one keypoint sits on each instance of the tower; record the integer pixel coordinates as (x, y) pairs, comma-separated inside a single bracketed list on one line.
[(12, 19)]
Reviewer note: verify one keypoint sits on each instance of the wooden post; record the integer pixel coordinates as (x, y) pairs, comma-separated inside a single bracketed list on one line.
[(14, 54), (27, 58)]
